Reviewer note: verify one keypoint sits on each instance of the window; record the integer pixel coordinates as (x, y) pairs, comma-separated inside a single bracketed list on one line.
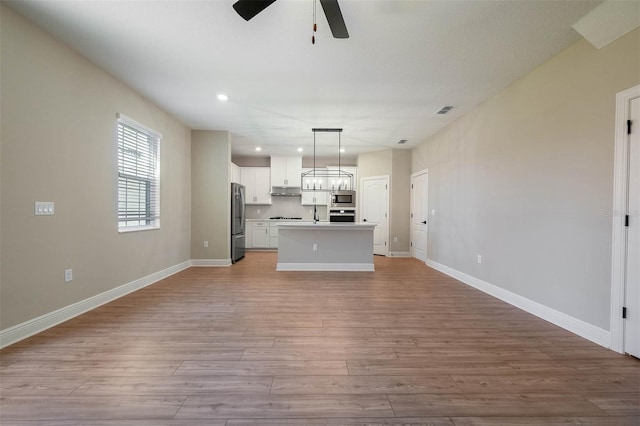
[(138, 176)]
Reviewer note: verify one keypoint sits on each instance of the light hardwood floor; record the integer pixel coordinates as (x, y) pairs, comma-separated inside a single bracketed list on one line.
[(246, 345)]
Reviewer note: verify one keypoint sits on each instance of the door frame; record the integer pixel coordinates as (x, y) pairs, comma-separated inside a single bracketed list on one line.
[(361, 196), (411, 200), (619, 240)]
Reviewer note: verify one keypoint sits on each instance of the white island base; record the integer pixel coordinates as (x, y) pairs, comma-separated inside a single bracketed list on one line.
[(325, 247)]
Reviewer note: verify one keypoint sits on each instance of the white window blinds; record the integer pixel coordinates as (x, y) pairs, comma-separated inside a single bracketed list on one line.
[(138, 176)]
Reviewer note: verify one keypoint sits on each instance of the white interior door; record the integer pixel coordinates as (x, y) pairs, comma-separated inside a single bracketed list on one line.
[(375, 205), (419, 215), (632, 281)]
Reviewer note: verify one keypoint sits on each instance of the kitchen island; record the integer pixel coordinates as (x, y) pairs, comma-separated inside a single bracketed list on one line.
[(325, 246)]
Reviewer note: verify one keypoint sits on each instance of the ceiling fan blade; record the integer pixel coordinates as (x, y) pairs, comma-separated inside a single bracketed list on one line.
[(250, 8), (334, 18)]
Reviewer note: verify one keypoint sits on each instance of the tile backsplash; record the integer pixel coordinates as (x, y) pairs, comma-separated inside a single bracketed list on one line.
[(285, 207)]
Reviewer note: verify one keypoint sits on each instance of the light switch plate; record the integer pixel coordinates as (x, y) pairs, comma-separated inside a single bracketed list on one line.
[(44, 208)]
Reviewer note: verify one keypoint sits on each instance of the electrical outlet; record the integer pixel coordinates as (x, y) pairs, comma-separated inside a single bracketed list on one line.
[(315, 247), (258, 211), (479, 258), (206, 244), (395, 239), (433, 212), (68, 275)]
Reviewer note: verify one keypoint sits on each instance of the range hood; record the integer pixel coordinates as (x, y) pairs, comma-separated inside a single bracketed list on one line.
[(285, 191)]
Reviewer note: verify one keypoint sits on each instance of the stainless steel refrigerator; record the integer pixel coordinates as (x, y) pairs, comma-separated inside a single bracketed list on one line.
[(237, 222)]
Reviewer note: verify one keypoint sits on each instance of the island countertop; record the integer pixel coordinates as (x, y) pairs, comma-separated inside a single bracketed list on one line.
[(328, 226)]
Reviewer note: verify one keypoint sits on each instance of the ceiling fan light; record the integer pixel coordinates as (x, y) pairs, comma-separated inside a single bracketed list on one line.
[(222, 97), (258, 148)]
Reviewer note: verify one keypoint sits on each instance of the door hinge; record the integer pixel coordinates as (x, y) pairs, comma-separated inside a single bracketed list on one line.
[(626, 220), (385, 187), (411, 244), (629, 122), (411, 214), (624, 312), (385, 243), (411, 186)]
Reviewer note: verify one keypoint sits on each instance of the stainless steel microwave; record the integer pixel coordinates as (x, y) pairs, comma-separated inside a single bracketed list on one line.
[(343, 198)]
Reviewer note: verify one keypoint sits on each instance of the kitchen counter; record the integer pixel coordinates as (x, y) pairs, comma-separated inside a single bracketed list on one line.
[(325, 246)]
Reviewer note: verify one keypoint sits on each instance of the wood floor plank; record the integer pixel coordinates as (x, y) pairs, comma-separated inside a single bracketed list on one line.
[(361, 385), (503, 404), (351, 421), (250, 345), (535, 383), (446, 367), (174, 385), (262, 368), (285, 406), (312, 353), (87, 408), (38, 385), (547, 421), (621, 404)]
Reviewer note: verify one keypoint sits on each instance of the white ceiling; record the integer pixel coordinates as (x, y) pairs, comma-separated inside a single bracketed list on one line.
[(403, 61)]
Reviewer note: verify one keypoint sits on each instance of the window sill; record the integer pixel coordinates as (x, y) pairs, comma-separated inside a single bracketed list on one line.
[(137, 229)]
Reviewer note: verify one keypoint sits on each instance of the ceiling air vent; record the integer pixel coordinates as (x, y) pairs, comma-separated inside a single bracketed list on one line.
[(402, 141), (445, 109)]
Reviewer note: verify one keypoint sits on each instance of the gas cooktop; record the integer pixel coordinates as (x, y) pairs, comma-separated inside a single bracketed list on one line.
[(286, 218)]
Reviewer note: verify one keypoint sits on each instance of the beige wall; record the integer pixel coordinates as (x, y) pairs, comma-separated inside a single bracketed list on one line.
[(376, 163), (526, 181), (395, 163), (59, 144), (211, 195), (400, 200)]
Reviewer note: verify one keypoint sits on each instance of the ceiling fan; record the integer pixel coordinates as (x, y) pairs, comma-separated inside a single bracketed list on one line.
[(250, 8)]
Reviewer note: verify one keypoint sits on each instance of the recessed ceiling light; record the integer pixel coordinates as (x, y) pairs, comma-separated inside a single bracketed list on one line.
[(222, 97), (341, 149), (258, 148), (300, 149)]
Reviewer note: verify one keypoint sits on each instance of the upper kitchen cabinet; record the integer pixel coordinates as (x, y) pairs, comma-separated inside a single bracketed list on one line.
[(235, 174), (286, 171), (256, 181), (310, 198)]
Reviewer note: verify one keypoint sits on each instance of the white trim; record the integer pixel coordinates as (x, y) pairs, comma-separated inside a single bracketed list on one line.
[(131, 122), (618, 245), (358, 267), (211, 262), (574, 325), (29, 328), (399, 254)]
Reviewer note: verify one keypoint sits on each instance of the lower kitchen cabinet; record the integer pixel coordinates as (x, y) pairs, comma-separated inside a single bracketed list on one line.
[(260, 235)]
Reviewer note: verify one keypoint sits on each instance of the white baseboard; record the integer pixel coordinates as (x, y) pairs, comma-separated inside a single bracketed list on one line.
[(29, 328), (210, 262), (574, 325), (399, 254), (358, 267)]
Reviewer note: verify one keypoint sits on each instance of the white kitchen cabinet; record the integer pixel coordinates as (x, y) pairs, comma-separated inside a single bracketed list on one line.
[(248, 235), (273, 234), (235, 174), (256, 181), (286, 171), (310, 198), (260, 234)]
